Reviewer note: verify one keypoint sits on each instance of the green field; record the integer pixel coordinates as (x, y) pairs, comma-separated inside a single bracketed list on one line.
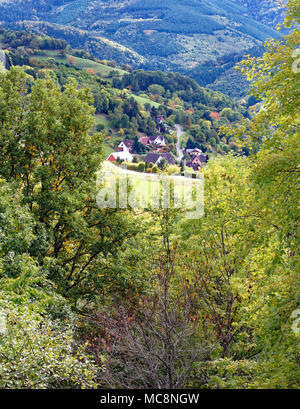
[(102, 119), (143, 101), (107, 145), (107, 150), (82, 63)]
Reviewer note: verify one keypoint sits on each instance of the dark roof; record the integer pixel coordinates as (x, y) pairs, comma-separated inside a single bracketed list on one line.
[(169, 158), (201, 157), (128, 143), (153, 138), (153, 158), (196, 158)]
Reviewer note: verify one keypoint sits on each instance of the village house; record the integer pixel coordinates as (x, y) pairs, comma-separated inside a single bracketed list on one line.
[(161, 126), (160, 119), (145, 140), (195, 158), (156, 158), (157, 140), (125, 156), (126, 145), (194, 152), (153, 140), (197, 161)]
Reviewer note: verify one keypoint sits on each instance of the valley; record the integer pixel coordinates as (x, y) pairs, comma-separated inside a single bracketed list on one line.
[(134, 105), (149, 217), (196, 38)]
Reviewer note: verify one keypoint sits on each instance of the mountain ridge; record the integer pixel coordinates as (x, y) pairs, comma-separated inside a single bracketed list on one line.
[(266, 11), (194, 37)]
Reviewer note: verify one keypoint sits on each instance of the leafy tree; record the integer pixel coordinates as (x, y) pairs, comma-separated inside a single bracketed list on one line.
[(125, 123), (162, 164), (37, 353), (37, 344), (151, 127), (137, 146), (230, 114), (153, 341), (101, 101), (156, 89), (48, 150), (273, 137)]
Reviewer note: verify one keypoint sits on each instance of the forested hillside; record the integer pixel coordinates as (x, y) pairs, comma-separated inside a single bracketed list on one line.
[(267, 11), (119, 297), (127, 102), (197, 38)]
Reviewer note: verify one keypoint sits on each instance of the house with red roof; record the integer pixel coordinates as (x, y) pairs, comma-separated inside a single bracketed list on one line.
[(145, 140), (125, 156)]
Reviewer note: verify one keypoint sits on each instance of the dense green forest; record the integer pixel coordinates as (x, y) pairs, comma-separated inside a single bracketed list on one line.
[(119, 298), (196, 38)]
